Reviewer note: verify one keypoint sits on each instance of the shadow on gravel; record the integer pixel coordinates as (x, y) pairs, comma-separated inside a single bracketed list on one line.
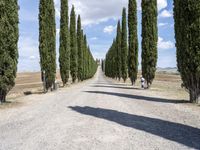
[(109, 83), (180, 133), (117, 87), (137, 97)]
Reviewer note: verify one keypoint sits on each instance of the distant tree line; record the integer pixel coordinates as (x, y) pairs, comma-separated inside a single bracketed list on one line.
[(121, 60), (75, 57)]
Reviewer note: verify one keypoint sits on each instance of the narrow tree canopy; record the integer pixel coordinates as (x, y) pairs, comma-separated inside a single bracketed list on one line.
[(64, 50), (149, 40), (187, 34), (9, 35), (133, 41), (47, 41)]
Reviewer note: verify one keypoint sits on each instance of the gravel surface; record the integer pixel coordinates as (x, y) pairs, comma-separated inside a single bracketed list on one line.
[(99, 114)]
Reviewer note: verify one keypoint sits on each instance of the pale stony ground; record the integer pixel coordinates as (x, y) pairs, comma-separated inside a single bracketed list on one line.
[(100, 114)]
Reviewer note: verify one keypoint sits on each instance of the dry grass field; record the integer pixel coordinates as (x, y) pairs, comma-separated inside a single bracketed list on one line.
[(28, 82), (165, 84)]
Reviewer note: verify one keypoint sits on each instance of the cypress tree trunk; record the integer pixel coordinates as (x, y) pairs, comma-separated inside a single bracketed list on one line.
[(133, 41), (187, 34), (149, 40), (9, 35), (73, 46), (80, 49), (118, 47), (64, 50), (47, 41), (124, 49)]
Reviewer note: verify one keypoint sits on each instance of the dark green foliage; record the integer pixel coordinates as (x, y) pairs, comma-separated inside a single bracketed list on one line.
[(118, 47), (89, 63), (8, 48), (64, 50), (110, 62), (47, 41), (80, 49), (133, 41), (187, 34), (103, 65), (149, 40), (113, 61), (73, 46), (124, 49), (84, 57)]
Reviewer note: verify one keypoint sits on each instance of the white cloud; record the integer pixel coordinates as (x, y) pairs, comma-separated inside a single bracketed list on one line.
[(162, 24), (57, 31), (95, 11), (57, 8), (165, 44), (161, 4), (109, 29), (93, 38), (165, 14), (32, 57)]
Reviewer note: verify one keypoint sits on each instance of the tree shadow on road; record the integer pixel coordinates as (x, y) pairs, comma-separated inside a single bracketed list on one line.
[(117, 87), (137, 97), (180, 133), (110, 83)]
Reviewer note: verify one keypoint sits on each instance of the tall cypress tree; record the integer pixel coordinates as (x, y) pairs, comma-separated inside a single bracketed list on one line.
[(73, 46), (187, 34), (8, 47), (64, 50), (124, 49), (133, 41), (85, 57), (47, 41), (80, 49), (118, 47), (149, 40)]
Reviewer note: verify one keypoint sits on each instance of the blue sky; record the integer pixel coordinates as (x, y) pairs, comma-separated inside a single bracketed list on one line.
[(99, 20)]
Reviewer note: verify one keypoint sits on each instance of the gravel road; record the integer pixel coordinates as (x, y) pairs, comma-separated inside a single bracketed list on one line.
[(99, 114)]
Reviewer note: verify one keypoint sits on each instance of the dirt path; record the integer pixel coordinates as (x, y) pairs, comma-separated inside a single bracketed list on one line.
[(99, 115)]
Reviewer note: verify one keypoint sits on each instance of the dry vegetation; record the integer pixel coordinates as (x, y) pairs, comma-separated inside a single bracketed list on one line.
[(165, 85), (28, 83)]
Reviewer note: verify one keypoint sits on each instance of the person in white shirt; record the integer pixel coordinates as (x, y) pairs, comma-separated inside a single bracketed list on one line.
[(142, 82)]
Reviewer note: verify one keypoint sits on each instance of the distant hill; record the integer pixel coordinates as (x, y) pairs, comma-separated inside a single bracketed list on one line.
[(173, 70)]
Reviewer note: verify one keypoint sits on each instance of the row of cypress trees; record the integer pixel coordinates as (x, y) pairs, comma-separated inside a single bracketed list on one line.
[(75, 57), (187, 35), (122, 58)]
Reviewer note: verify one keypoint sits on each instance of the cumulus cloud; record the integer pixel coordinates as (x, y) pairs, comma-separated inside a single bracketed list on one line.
[(164, 44), (165, 14), (94, 12), (161, 4), (109, 29), (57, 8)]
